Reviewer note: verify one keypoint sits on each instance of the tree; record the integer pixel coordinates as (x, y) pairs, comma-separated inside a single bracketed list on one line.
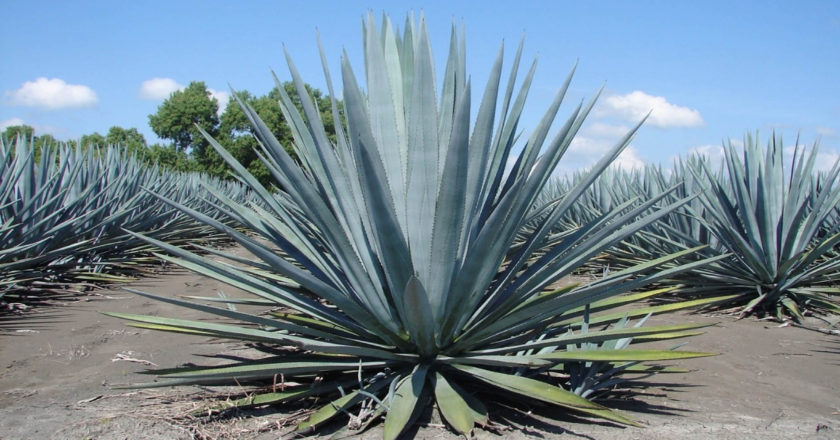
[(130, 139), (177, 117), (237, 134), (95, 141), (170, 158), (11, 133)]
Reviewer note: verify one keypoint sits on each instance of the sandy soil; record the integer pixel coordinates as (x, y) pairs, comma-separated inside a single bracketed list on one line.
[(59, 367)]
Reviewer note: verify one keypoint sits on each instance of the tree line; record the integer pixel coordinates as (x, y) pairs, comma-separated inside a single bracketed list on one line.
[(177, 120)]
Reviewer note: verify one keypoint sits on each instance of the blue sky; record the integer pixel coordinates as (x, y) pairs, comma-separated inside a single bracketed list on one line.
[(709, 70)]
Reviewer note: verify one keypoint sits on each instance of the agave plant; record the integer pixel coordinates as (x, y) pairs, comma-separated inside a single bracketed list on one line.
[(397, 253), (779, 224)]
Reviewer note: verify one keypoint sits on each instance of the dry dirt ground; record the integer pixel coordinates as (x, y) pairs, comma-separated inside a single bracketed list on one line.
[(59, 368)]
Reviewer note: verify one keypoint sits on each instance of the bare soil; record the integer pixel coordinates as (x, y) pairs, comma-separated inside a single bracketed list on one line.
[(60, 365)]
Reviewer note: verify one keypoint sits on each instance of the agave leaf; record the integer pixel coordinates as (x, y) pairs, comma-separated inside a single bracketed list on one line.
[(635, 368), (312, 322), (597, 336), (420, 322), (665, 336), (623, 355), (250, 370), (404, 404), (236, 332), (240, 301), (496, 361), (450, 212), (529, 387), (658, 309), (454, 408), (296, 392), (169, 328), (424, 156), (268, 323)]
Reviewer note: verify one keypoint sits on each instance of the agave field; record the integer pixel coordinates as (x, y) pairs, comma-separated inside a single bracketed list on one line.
[(64, 217), (403, 266)]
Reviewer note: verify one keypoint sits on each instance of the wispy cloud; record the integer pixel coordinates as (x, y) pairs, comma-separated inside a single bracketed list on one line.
[(634, 106), (825, 131), (52, 94), (601, 129)]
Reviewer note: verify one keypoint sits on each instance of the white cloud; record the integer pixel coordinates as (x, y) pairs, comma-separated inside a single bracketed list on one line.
[(53, 94), (588, 147), (585, 151), (158, 88), (11, 123), (221, 97), (629, 159), (634, 106)]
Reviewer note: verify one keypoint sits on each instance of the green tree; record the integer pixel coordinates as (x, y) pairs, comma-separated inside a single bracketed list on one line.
[(237, 134), (11, 133), (177, 117), (170, 158), (95, 141), (130, 139)]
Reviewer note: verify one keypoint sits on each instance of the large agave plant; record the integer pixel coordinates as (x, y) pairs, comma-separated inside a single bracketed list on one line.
[(779, 224), (397, 253)]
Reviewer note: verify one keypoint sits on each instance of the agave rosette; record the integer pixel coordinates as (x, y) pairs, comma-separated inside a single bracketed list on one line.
[(779, 224), (397, 254)]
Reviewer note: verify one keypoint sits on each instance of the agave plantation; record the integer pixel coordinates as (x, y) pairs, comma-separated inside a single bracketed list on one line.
[(404, 266), (63, 216)]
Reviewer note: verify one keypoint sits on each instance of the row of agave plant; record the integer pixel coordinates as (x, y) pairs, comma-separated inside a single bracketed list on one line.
[(406, 268), (64, 215), (775, 218)]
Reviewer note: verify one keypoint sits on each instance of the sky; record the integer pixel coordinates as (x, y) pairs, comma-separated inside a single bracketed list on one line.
[(709, 71)]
